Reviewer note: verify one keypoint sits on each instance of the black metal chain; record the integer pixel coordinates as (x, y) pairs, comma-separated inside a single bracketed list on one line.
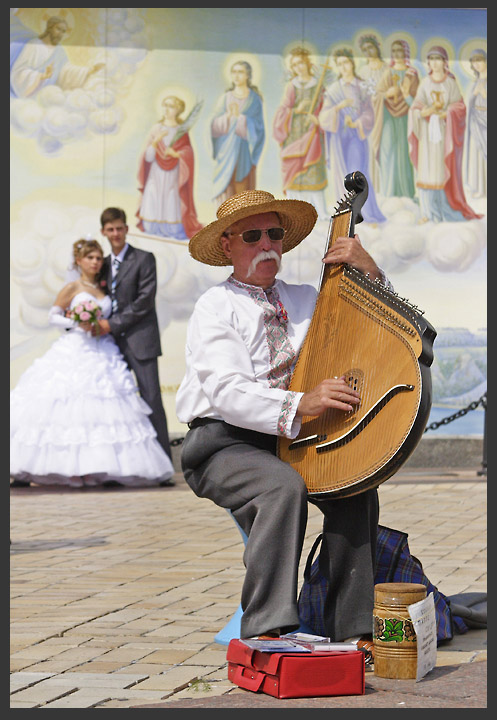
[(460, 413)]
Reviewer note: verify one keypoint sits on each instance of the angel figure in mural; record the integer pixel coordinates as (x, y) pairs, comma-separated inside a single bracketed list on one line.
[(166, 174), (475, 166), (238, 135), (301, 139), (436, 125), (371, 73), (396, 90), (39, 60), (347, 117)]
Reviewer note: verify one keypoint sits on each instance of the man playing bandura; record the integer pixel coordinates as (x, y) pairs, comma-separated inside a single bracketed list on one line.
[(242, 342)]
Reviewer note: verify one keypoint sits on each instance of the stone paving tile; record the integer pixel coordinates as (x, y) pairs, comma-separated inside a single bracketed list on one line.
[(98, 666), (220, 674), (170, 632), (95, 680), (82, 699), (123, 616), (138, 641), (19, 665), (124, 655), (169, 656), (93, 629), (132, 701), (215, 655), (53, 666), (457, 657), (26, 639), (21, 680), (144, 668), (39, 694), (35, 652), (201, 637), (174, 679), (142, 625)]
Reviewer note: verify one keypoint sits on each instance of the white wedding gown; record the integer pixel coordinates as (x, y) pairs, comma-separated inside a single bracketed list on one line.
[(77, 418)]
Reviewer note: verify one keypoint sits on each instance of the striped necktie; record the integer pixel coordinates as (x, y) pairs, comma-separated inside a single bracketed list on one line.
[(116, 263)]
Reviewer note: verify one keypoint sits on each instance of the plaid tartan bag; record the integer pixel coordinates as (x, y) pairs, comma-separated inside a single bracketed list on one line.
[(394, 563)]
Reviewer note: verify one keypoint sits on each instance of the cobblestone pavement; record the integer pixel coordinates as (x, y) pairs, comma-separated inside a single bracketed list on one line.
[(117, 594)]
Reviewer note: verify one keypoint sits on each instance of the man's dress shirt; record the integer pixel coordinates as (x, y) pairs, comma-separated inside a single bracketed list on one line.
[(241, 348)]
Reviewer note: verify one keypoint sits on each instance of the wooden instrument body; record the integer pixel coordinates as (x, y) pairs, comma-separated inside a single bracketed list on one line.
[(383, 346)]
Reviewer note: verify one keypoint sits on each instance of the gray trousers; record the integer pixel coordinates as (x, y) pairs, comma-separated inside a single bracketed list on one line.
[(238, 470)]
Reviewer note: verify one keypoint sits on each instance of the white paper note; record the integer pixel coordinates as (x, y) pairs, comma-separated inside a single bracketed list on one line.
[(425, 626)]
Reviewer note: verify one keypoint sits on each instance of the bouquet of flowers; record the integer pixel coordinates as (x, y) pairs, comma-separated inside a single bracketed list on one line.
[(87, 311)]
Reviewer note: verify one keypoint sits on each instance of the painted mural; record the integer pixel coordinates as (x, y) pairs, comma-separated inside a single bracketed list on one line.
[(166, 112)]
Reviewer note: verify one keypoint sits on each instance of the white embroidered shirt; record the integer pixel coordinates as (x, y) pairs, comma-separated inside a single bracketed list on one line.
[(241, 348)]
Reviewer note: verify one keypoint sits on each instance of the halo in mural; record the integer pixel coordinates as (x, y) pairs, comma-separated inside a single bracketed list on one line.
[(314, 55), (179, 91), (318, 62), (330, 60), (442, 42), (63, 13), (363, 34), (400, 35), (466, 51), (252, 60)]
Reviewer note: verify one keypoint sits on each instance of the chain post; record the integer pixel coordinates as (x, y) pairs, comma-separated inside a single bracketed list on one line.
[(460, 413), (483, 470)]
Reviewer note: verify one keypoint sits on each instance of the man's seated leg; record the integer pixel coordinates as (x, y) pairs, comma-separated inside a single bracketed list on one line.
[(268, 500), (347, 559)]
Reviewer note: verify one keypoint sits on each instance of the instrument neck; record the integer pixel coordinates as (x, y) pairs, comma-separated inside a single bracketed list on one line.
[(341, 225)]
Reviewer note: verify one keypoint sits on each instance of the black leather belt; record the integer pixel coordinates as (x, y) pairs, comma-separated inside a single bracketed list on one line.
[(198, 422)]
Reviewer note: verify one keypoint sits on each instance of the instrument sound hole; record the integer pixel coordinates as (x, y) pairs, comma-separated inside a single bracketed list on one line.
[(355, 380)]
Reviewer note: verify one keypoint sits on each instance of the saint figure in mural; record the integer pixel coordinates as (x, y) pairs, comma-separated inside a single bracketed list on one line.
[(396, 90), (38, 61), (238, 135), (166, 174), (475, 167), (436, 125), (347, 117), (301, 139), (371, 73)]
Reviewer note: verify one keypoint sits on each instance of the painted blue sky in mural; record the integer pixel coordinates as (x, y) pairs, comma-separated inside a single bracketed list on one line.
[(241, 30)]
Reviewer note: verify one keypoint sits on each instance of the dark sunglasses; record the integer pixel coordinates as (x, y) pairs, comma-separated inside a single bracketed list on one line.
[(253, 236)]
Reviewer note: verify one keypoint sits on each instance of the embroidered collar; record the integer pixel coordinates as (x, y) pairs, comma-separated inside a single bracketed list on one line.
[(252, 289), (270, 295)]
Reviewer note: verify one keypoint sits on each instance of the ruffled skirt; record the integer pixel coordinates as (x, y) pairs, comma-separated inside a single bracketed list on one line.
[(77, 419)]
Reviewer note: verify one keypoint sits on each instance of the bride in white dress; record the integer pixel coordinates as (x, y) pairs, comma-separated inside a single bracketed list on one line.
[(76, 416)]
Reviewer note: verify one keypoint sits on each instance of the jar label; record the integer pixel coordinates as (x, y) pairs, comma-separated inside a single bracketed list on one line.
[(393, 630)]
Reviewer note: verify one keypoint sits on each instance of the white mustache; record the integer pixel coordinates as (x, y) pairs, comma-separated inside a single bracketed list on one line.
[(263, 255)]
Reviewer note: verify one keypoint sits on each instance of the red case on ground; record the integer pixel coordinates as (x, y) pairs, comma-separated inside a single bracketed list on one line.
[(294, 675)]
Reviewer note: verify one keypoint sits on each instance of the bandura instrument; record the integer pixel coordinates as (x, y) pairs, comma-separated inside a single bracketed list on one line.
[(383, 346)]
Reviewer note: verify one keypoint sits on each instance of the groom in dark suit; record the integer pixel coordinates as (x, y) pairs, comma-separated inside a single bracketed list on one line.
[(131, 278)]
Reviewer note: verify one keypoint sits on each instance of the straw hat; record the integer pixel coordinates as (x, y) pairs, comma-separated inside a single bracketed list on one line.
[(296, 216)]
